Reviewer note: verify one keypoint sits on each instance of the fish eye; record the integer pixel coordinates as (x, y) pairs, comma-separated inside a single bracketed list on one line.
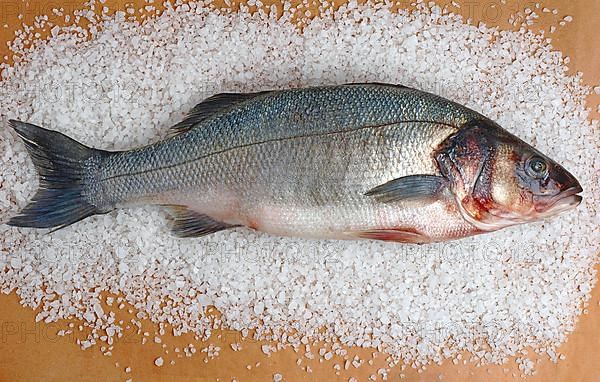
[(537, 167)]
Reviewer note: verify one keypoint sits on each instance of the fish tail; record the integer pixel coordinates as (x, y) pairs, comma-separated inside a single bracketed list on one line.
[(62, 164)]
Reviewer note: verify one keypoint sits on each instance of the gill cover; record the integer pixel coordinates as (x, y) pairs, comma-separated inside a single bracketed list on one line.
[(498, 180), (466, 160)]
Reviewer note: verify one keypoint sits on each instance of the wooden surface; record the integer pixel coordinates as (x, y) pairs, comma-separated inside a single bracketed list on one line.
[(33, 352)]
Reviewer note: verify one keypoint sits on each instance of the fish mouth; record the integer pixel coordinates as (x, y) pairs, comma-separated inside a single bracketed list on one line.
[(563, 201)]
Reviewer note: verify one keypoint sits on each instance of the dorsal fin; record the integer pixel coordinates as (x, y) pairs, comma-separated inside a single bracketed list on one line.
[(377, 83), (210, 106)]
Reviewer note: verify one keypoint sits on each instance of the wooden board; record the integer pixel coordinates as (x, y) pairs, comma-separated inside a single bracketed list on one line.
[(32, 351)]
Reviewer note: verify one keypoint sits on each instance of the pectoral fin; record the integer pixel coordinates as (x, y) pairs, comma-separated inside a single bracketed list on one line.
[(188, 223), (409, 187)]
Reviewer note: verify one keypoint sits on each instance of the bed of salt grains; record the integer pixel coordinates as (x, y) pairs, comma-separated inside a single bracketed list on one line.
[(492, 295)]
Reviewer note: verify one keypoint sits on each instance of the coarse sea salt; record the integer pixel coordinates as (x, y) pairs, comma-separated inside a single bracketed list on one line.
[(123, 84)]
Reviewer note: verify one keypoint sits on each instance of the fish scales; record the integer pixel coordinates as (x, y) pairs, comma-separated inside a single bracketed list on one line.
[(355, 161), (275, 116)]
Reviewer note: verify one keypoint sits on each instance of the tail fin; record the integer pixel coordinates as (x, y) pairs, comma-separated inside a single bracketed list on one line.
[(60, 163)]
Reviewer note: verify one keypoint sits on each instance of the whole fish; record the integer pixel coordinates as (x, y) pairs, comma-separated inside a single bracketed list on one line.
[(355, 161)]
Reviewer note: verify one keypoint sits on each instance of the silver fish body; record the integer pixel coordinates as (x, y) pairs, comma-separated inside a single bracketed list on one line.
[(297, 162)]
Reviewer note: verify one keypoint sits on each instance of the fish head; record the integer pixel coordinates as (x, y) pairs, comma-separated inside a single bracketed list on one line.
[(498, 180)]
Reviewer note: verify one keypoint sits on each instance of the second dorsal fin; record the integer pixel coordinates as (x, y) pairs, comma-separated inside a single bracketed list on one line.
[(210, 106)]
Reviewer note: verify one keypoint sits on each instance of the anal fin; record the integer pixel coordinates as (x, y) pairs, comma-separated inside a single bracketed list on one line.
[(189, 223)]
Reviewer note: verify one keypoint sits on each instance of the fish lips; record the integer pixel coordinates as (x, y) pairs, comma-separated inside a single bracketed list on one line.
[(563, 201)]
